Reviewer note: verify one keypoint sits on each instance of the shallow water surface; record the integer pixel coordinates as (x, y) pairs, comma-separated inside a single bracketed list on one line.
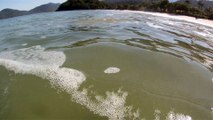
[(115, 65)]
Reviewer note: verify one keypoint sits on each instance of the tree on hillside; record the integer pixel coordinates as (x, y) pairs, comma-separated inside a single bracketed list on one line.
[(187, 2), (82, 5), (163, 5), (183, 8), (209, 12), (200, 4)]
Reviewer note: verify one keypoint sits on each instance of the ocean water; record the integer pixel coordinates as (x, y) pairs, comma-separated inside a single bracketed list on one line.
[(105, 65)]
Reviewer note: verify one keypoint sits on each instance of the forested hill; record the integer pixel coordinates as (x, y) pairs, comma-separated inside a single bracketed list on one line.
[(198, 3), (179, 7), (83, 5)]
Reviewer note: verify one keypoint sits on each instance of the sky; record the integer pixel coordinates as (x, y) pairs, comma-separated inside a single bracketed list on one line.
[(172, 0), (25, 4)]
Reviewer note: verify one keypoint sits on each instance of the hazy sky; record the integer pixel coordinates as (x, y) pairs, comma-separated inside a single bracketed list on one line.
[(25, 4), (172, 0)]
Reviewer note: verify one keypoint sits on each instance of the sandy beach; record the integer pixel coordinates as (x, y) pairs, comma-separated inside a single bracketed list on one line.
[(205, 22)]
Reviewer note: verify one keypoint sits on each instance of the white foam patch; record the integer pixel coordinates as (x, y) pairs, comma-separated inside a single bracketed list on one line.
[(200, 33), (111, 70), (112, 106), (6, 90), (35, 56), (46, 64), (43, 37), (177, 116), (212, 80), (157, 114), (24, 44)]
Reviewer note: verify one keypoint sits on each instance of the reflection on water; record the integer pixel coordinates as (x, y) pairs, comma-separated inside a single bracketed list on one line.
[(163, 67)]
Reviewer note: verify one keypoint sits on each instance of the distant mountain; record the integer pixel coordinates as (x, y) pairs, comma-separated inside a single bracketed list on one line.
[(8, 13), (50, 7)]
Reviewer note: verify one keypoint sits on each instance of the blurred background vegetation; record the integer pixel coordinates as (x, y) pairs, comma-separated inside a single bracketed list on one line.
[(196, 9)]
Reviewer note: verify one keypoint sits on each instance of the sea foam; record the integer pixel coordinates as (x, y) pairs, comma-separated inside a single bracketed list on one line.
[(177, 116), (111, 70), (47, 65)]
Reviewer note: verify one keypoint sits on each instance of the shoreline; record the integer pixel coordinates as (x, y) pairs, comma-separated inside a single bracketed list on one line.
[(201, 21), (206, 22)]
